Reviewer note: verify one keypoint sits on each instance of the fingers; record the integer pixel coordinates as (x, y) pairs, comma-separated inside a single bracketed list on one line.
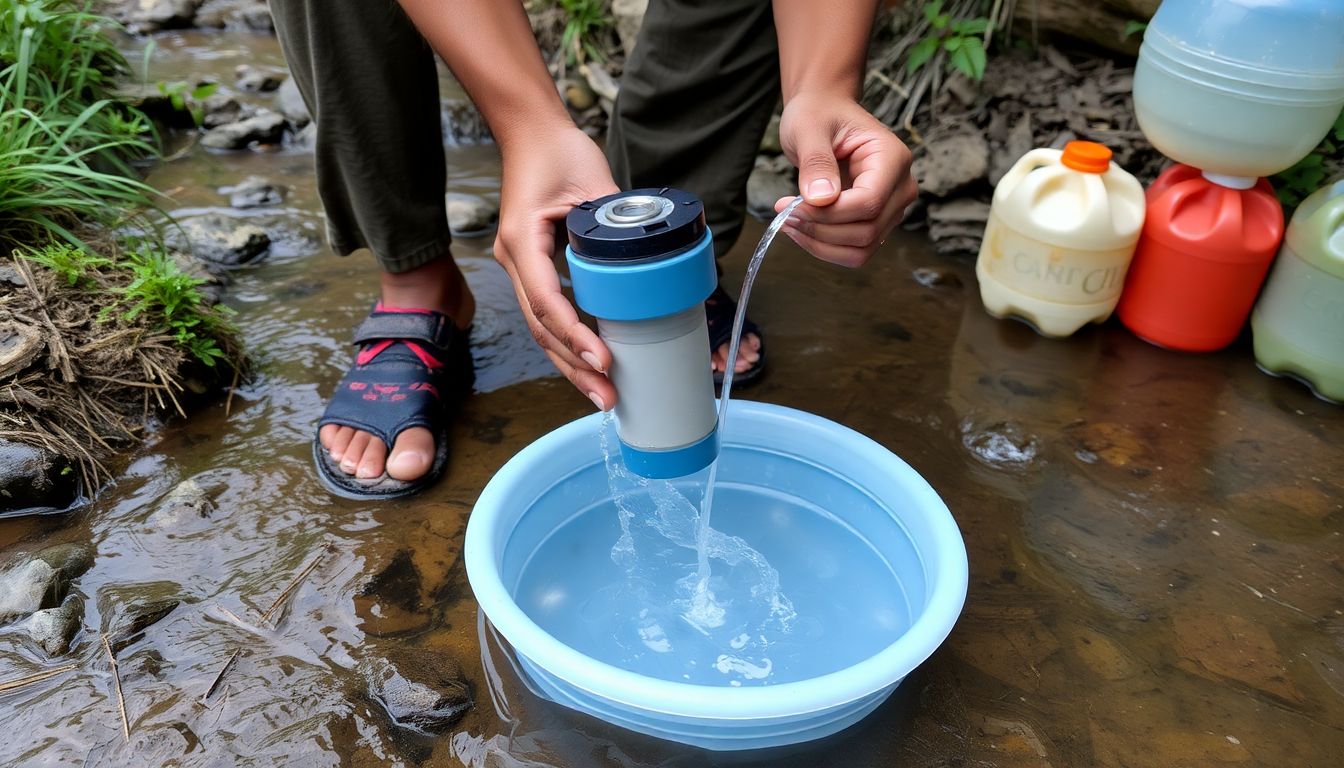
[(575, 350), (818, 170)]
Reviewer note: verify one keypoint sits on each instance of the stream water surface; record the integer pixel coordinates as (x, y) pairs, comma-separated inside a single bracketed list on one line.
[(1155, 540)]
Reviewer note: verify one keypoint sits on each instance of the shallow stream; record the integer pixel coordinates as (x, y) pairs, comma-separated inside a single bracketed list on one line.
[(1157, 564)]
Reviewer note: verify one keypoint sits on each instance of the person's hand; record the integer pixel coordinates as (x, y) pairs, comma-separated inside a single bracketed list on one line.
[(853, 174), (542, 181)]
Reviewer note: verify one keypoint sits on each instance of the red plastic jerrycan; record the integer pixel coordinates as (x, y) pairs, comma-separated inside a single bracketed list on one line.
[(1203, 255)]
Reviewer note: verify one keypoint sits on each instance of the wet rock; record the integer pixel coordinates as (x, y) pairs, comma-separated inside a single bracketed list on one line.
[(578, 94), (1103, 655), (256, 79), (153, 15), (254, 192), (1001, 445), (951, 163), (764, 188), (463, 124), (235, 14), (629, 16), (188, 501), (1010, 644), (958, 225), (54, 628), (470, 216), (11, 276), (136, 618), (220, 240), (1218, 646), (34, 478), (221, 109), (41, 581), (420, 689), (389, 602), (265, 127), (291, 104), (1114, 444), (770, 139)]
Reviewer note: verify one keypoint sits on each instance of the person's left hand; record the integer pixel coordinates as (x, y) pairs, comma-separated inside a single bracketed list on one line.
[(853, 173)]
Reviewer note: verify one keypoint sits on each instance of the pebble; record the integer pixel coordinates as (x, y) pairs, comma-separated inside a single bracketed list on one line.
[(55, 628), (40, 581), (220, 240), (470, 215), (254, 192), (291, 104), (257, 80), (419, 689), (154, 15), (265, 127)]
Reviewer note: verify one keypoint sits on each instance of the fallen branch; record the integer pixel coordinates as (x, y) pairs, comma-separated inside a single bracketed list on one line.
[(266, 617), (214, 685), (36, 677), (116, 683)]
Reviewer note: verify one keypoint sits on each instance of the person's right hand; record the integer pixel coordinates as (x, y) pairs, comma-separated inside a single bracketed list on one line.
[(543, 179)]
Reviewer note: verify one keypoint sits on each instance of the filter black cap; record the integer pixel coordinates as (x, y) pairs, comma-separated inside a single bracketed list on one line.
[(638, 225)]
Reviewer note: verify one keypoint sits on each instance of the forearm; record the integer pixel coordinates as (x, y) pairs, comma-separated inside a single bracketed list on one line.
[(823, 46), (488, 44)]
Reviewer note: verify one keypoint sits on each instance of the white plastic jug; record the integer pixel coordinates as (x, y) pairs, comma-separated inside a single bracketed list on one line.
[(1061, 233)]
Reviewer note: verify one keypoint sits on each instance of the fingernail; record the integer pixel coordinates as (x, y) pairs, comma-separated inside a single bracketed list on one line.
[(591, 360), (793, 221), (820, 188), (597, 400), (366, 472)]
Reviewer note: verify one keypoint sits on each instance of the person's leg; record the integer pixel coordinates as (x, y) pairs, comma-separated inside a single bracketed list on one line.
[(695, 99), (370, 82)]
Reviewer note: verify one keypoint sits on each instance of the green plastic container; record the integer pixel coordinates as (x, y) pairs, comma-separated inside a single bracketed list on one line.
[(1298, 324)]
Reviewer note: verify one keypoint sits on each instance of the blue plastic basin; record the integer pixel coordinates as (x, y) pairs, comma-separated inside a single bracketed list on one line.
[(829, 498)]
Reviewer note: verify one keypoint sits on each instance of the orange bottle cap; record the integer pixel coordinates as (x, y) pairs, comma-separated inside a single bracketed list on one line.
[(1086, 156)]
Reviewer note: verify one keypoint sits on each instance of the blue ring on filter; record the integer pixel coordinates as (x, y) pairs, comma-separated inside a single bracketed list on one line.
[(677, 462), (624, 290)]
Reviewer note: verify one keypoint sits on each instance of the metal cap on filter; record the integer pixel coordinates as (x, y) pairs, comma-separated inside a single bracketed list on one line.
[(636, 225)]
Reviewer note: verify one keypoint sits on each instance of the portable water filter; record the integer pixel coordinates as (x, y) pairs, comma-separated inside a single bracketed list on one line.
[(642, 263)]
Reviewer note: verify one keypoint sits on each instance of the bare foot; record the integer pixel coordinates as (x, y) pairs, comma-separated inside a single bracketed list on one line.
[(441, 287), (748, 353)]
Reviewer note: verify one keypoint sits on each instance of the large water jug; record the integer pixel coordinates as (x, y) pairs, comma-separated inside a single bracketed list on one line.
[(1201, 261), (1298, 323), (1061, 233), (1240, 87)]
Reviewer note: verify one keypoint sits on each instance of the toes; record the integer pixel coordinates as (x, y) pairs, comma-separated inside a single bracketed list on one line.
[(412, 455), (372, 462), (327, 434), (340, 442), (354, 452)]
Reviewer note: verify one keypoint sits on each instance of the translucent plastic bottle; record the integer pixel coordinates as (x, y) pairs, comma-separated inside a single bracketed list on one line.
[(1206, 246), (1298, 324), (1061, 234), (1240, 87), (642, 263)]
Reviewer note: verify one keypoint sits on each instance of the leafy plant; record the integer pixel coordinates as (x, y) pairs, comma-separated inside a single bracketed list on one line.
[(963, 39), (65, 143), (162, 290), (186, 98), (1313, 171), (587, 22), (71, 264)]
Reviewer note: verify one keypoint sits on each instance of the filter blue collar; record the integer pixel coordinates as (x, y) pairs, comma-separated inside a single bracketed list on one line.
[(679, 462), (643, 290)]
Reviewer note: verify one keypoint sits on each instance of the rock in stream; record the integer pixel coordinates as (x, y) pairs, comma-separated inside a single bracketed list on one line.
[(420, 689), (55, 628), (33, 478), (41, 581)]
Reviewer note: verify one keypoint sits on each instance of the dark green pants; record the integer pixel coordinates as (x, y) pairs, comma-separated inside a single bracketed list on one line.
[(695, 98)]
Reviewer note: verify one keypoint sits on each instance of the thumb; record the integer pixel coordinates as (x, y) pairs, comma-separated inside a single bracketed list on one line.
[(818, 171)]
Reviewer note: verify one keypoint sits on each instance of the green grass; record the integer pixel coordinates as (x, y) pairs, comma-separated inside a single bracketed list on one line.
[(588, 25), (66, 145), (145, 287)]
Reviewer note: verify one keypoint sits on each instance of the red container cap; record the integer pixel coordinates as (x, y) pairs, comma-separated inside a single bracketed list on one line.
[(1086, 156)]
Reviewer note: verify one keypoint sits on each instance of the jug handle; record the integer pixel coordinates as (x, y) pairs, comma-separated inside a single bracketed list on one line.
[(1041, 157)]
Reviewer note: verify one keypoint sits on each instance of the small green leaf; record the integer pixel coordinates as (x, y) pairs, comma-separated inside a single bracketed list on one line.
[(952, 44), (932, 9), (960, 61), (968, 27), (1133, 27), (941, 21), (921, 53), (975, 54), (204, 91)]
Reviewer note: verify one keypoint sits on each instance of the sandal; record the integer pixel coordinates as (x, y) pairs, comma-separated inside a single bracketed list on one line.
[(719, 312), (411, 364)]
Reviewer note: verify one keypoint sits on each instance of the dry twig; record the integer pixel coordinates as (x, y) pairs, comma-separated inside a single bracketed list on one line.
[(116, 683), (36, 677)]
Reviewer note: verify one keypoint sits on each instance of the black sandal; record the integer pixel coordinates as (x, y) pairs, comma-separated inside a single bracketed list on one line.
[(411, 365), (719, 312)]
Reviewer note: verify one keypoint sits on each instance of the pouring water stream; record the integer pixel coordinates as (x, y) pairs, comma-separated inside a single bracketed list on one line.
[(701, 599)]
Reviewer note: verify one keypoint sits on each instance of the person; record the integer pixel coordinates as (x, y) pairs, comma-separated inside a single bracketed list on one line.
[(695, 99)]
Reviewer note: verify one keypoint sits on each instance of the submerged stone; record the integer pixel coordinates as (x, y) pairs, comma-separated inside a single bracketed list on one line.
[(32, 478), (420, 689), (54, 628), (254, 192), (265, 127), (291, 103), (41, 581), (470, 216), (220, 240)]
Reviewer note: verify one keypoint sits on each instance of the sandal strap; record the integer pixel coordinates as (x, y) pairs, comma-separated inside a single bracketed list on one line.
[(433, 328)]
